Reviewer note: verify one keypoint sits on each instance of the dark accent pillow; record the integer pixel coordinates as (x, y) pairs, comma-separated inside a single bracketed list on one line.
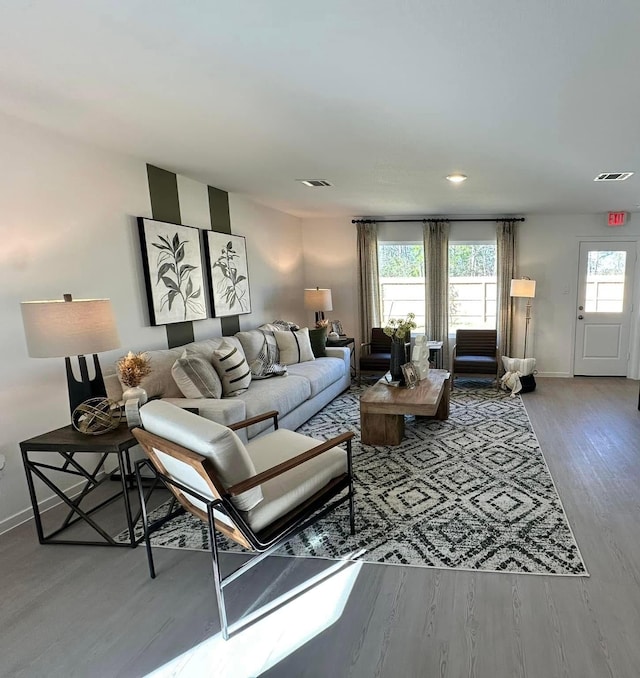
[(318, 339)]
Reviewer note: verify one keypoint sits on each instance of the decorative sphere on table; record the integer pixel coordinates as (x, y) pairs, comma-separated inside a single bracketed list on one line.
[(96, 416)]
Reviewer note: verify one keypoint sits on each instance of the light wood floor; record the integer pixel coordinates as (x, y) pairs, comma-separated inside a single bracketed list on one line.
[(88, 611)]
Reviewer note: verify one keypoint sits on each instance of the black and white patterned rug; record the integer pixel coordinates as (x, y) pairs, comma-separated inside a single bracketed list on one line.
[(472, 492)]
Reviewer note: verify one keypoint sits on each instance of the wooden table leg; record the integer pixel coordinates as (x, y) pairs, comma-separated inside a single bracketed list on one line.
[(381, 429), (443, 408)]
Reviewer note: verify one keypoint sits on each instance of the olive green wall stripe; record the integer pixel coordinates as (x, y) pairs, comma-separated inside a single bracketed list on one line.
[(219, 209), (179, 334), (165, 206), (163, 189), (221, 222)]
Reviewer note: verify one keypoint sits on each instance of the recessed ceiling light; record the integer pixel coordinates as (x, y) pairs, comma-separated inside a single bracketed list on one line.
[(613, 176), (314, 183), (456, 178)]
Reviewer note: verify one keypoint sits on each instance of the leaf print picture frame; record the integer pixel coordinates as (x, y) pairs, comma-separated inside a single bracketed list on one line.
[(229, 290), (172, 262)]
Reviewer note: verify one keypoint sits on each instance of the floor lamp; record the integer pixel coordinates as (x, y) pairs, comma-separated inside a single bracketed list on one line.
[(66, 328), (524, 287), (318, 300)]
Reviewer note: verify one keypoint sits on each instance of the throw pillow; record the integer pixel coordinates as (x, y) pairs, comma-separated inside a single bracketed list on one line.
[(295, 347), (196, 376), (266, 363), (232, 369), (279, 326), (318, 339)]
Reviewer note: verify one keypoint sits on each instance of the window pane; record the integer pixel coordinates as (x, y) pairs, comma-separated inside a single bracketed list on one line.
[(401, 271), (605, 281), (472, 286)]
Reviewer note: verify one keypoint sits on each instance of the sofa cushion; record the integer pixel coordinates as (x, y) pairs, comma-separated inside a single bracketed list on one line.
[(294, 346), (232, 368), (285, 492), (196, 377), (283, 394), (220, 444), (320, 373)]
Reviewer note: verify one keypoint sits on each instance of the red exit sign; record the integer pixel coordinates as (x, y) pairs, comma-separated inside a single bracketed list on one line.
[(617, 218)]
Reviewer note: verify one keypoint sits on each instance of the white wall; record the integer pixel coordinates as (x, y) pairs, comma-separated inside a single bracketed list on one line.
[(274, 252), (68, 225), (330, 253), (547, 252), (548, 248)]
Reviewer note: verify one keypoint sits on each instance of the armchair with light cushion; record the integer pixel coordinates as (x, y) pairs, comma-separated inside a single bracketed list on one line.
[(475, 354), (258, 495), (375, 355)]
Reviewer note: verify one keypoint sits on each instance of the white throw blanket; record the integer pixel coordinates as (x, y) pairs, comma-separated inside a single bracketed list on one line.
[(511, 381)]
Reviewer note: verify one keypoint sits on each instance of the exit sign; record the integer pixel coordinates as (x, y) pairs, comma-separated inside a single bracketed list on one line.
[(617, 218)]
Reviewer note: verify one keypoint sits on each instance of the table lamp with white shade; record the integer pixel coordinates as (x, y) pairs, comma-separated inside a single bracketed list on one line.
[(319, 301), (66, 328)]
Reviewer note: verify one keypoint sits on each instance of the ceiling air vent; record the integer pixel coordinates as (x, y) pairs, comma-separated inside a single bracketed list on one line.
[(314, 183), (613, 176)]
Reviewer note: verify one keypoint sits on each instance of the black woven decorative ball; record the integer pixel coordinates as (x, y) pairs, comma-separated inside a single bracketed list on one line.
[(96, 416)]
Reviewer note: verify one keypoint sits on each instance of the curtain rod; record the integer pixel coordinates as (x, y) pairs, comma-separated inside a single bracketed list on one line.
[(427, 221)]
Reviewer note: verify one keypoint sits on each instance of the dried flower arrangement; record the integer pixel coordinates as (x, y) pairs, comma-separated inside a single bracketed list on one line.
[(133, 368), (323, 322)]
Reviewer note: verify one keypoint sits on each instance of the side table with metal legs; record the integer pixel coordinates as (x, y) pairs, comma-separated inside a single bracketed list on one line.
[(69, 452)]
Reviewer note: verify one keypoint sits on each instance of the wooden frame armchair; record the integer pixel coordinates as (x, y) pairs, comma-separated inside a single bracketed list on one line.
[(475, 354), (205, 466)]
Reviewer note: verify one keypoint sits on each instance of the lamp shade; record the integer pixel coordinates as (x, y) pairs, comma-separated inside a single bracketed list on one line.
[(523, 287), (56, 329), (318, 299)]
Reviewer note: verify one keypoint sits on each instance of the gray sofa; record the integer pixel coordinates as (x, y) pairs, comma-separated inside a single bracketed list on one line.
[(305, 390)]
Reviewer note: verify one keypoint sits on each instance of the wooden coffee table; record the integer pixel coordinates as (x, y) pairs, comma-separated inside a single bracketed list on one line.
[(382, 407)]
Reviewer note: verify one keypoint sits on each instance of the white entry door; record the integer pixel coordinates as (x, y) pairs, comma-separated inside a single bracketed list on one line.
[(603, 324)]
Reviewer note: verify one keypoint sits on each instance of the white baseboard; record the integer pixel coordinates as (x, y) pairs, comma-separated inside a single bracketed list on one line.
[(560, 375), (44, 505)]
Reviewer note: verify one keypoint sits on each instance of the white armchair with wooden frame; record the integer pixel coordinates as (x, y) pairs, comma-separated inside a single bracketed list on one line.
[(258, 495)]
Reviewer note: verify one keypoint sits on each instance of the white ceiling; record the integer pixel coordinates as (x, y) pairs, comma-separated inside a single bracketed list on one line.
[(530, 99)]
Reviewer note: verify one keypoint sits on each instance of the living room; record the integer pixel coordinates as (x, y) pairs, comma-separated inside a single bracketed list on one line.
[(85, 113)]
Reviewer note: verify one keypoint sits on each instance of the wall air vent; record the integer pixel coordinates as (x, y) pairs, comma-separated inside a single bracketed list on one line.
[(613, 176), (314, 183)]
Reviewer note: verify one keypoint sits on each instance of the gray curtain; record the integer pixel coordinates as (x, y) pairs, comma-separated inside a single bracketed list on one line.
[(506, 262), (436, 280), (368, 280)]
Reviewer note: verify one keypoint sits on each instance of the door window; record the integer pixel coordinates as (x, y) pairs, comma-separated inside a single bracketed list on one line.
[(604, 291)]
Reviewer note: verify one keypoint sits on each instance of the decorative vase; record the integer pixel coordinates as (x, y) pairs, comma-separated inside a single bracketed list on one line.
[(135, 392), (398, 358)]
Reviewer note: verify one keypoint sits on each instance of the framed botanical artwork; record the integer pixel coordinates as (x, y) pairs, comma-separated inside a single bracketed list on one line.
[(172, 262), (228, 274)]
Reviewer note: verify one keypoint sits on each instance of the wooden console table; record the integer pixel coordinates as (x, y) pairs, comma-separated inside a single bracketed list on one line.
[(382, 407)]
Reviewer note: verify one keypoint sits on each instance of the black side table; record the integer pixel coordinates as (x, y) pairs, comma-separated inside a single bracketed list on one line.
[(69, 451), (351, 343)]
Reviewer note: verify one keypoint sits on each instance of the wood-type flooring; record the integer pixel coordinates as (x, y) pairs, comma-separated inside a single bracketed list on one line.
[(92, 611)]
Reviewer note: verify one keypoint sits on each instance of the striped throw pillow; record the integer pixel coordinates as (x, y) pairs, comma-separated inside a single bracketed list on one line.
[(232, 369)]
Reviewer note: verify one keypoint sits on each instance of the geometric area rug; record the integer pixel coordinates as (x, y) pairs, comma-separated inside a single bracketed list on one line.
[(473, 492)]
